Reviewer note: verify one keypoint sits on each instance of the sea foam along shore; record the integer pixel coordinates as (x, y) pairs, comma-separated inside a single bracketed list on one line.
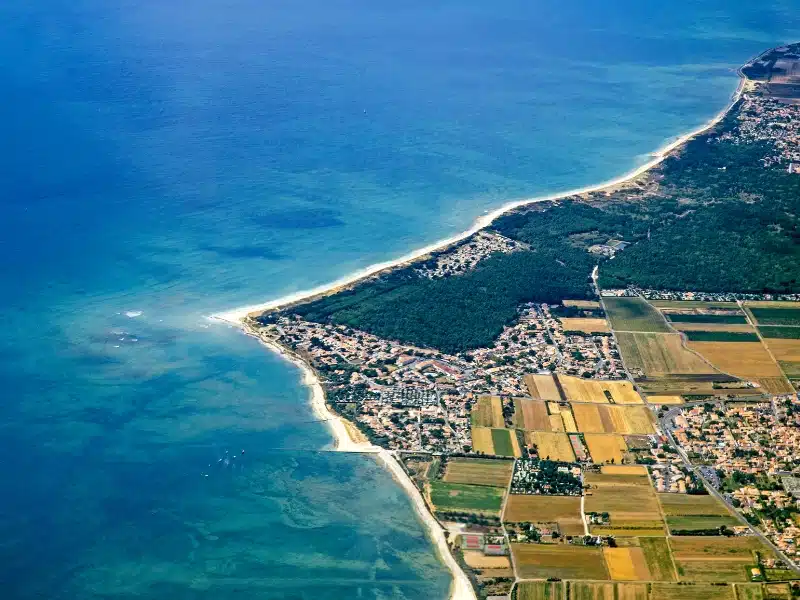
[(460, 588), (236, 315)]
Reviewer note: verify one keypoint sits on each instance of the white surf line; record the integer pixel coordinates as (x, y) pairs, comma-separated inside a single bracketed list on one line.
[(236, 315)]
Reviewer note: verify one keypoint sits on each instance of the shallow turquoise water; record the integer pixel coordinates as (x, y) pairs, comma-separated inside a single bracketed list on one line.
[(176, 161)]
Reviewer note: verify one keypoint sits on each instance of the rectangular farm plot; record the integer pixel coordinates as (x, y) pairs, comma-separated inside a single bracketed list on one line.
[(553, 446), (488, 412), (778, 315), (540, 590), (786, 351), (477, 471), (543, 387), (556, 422), (590, 590), (466, 498), (605, 447), (697, 591), (577, 389), (594, 418), (531, 414), (565, 511), (747, 360), (565, 561), (660, 355), (686, 512), (721, 336), (634, 314), (630, 501), (714, 558), (658, 399), (626, 564), (585, 325), (505, 443), (482, 440), (632, 591), (658, 557), (733, 317)]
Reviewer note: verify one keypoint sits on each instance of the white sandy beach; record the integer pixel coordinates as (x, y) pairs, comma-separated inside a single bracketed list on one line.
[(461, 589)]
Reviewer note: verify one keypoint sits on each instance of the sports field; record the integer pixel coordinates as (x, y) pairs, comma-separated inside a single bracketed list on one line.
[(565, 561), (564, 510), (478, 471), (634, 314), (605, 447), (543, 387), (466, 498), (578, 389), (660, 355)]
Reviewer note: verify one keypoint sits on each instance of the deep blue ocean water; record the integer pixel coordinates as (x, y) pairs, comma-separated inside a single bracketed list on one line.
[(163, 160)]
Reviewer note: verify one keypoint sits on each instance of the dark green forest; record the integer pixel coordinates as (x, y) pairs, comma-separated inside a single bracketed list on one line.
[(717, 221)]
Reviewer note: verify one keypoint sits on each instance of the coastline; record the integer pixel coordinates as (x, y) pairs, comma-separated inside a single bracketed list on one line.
[(461, 587), (236, 315)]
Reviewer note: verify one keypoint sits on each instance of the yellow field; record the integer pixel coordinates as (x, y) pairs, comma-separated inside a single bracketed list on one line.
[(553, 408), (478, 471), (605, 447), (787, 353), (482, 440), (665, 399), (542, 386), (638, 470), (632, 591), (556, 423), (590, 590), (569, 421), (531, 414), (585, 325), (594, 418), (582, 303), (563, 510), (658, 355), (626, 564), (515, 444), (488, 412), (775, 385), (556, 446), (685, 504), (742, 359), (477, 560), (714, 558), (629, 499), (565, 561), (578, 389), (700, 591)]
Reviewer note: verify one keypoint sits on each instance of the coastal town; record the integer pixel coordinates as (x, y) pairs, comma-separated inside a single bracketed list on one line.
[(617, 434)]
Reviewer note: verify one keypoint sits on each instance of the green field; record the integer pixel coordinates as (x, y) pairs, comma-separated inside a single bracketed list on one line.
[(634, 314), (467, 498), (728, 319), (501, 438), (720, 336), (540, 590), (749, 591), (658, 557), (697, 591), (700, 522), (787, 333), (776, 316)]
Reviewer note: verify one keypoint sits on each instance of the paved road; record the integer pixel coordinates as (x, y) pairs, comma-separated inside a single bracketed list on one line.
[(666, 427)]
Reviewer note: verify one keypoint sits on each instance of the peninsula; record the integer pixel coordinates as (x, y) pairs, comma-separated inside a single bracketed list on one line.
[(592, 395)]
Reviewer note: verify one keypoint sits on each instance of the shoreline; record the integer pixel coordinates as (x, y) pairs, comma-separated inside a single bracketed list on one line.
[(236, 315), (460, 587)]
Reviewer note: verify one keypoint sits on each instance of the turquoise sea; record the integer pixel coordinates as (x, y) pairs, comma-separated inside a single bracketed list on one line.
[(163, 160)]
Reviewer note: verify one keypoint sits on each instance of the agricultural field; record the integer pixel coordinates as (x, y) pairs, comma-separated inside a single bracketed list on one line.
[(543, 387), (540, 590), (556, 422), (563, 510), (721, 336), (531, 415), (476, 471), (658, 557), (577, 389), (466, 498), (728, 318), (586, 590), (587, 304), (786, 351), (605, 447), (714, 558), (749, 591), (712, 327), (553, 446), (478, 560), (658, 355), (584, 325), (697, 305), (488, 412), (634, 314), (775, 315), (697, 591), (505, 443), (569, 420), (565, 561), (660, 399), (599, 418), (747, 360), (626, 564), (482, 440), (631, 591), (630, 501), (780, 332), (685, 512)]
